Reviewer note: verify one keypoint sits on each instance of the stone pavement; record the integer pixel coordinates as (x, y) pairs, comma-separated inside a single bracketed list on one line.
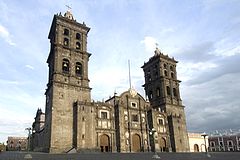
[(119, 156)]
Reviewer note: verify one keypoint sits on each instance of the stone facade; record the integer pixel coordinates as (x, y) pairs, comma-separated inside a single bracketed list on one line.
[(68, 80), (124, 123), (162, 88)]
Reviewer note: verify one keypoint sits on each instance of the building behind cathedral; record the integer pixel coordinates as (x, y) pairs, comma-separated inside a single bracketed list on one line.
[(123, 123)]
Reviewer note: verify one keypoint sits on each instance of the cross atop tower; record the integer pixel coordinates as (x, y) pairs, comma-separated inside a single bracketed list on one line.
[(68, 14), (68, 7), (157, 51)]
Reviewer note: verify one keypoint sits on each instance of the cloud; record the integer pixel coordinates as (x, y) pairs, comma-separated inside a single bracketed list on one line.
[(113, 79), (150, 43), (190, 71), (207, 60), (14, 126), (219, 67), (29, 66), (6, 36), (19, 101), (213, 105), (197, 53), (9, 82), (225, 47)]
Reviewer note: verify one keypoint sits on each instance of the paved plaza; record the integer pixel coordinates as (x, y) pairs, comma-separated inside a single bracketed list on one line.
[(119, 156)]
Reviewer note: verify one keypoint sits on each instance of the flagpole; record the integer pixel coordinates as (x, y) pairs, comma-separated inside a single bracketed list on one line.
[(129, 72)]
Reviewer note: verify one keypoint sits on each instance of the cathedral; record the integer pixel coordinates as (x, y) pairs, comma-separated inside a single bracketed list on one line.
[(124, 123)]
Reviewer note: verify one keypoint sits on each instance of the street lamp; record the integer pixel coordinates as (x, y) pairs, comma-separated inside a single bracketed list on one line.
[(29, 133), (152, 132), (33, 141), (204, 135)]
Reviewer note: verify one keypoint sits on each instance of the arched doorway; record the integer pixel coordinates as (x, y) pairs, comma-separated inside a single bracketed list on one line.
[(104, 143), (196, 148), (136, 143), (162, 144)]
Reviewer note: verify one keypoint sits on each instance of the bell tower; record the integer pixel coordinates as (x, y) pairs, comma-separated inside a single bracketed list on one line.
[(162, 89), (67, 81)]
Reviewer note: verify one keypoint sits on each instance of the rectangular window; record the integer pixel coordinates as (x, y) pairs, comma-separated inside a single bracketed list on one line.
[(168, 91), (160, 121), (135, 118), (212, 144), (104, 115), (221, 144)]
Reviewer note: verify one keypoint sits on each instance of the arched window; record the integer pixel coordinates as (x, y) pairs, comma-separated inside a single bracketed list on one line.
[(174, 92), (78, 36), (158, 91), (78, 69), (165, 73), (150, 95), (171, 68), (148, 72), (179, 128), (149, 78), (172, 75), (65, 66), (168, 91), (165, 65), (212, 144), (65, 42), (66, 32), (78, 45), (230, 143)]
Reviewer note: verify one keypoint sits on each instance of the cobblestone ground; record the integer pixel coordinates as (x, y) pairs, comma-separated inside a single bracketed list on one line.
[(118, 156)]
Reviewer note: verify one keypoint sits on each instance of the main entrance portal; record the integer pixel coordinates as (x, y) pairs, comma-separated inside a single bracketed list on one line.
[(104, 143), (136, 143), (162, 145)]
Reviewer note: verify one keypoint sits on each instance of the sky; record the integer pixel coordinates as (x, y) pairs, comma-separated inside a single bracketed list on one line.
[(203, 35)]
